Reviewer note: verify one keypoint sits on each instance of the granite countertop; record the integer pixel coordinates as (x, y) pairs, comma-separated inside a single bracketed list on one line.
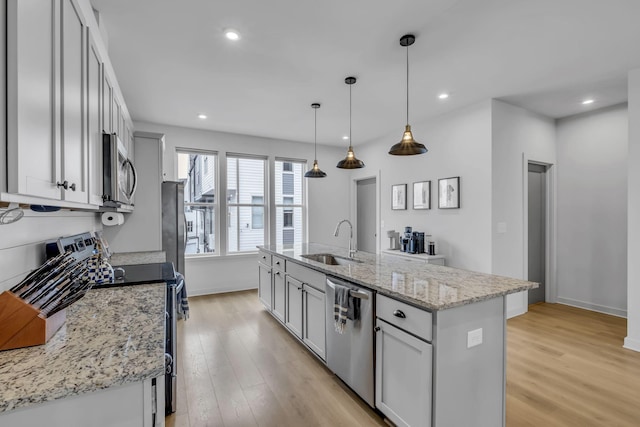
[(430, 286), (111, 337), (128, 258)]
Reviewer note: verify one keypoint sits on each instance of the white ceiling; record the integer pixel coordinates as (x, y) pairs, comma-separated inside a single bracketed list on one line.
[(172, 61)]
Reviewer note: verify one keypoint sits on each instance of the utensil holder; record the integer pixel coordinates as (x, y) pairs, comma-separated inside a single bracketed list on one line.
[(22, 325)]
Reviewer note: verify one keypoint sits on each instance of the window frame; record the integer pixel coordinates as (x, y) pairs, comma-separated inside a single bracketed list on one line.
[(216, 203), (264, 205), (303, 198)]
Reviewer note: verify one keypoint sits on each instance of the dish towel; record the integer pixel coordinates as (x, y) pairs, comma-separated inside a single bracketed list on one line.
[(344, 307), (183, 301)]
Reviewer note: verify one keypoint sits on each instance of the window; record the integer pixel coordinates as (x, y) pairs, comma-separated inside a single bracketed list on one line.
[(257, 212), (197, 171), (245, 203), (289, 202)]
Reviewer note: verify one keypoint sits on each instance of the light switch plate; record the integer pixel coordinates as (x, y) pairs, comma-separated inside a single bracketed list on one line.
[(474, 338)]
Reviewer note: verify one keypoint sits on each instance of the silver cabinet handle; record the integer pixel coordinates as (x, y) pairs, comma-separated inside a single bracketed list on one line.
[(377, 329), (73, 187), (64, 184), (400, 314)]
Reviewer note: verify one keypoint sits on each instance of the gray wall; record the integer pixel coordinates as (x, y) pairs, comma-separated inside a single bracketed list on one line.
[(518, 136), (459, 144), (592, 210), (633, 216)]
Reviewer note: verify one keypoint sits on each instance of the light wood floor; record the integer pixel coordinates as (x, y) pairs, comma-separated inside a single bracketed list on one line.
[(237, 366)]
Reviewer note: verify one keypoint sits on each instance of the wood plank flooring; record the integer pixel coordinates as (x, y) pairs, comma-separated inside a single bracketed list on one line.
[(237, 366)]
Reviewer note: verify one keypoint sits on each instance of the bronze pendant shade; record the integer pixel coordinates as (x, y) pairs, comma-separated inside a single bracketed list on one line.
[(407, 145), (350, 162), (315, 171)]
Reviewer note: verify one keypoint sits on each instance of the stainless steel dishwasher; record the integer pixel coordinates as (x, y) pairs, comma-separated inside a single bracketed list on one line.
[(350, 354)]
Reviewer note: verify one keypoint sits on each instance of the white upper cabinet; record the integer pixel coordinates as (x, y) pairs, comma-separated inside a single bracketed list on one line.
[(60, 98), (33, 152), (94, 121), (73, 138)]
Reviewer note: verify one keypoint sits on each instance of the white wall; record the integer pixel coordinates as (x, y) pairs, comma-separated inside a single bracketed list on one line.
[(632, 340), (592, 210), (327, 198), (516, 134), (22, 245), (459, 144)]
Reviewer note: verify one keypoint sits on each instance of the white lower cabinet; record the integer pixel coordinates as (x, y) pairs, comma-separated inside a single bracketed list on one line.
[(294, 306), (279, 297), (264, 284), (313, 324), (403, 367)]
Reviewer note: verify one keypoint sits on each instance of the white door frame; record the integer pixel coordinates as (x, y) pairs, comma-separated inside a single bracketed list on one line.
[(353, 205), (551, 290)]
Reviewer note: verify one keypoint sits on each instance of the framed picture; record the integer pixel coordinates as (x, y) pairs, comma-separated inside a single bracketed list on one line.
[(449, 193), (422, 195), (399, 196)]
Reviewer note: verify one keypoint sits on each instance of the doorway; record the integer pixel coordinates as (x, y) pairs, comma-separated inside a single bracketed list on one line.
[(537, 230), (366, 215)]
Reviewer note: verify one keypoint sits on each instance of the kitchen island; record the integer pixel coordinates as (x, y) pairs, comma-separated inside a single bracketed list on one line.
[(100, 368), (439, 335)]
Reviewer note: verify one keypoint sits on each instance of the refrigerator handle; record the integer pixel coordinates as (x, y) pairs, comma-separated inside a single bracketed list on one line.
[(184, 235)]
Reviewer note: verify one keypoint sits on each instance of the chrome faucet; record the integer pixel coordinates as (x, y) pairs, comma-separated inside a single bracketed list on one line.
[(351, 250)]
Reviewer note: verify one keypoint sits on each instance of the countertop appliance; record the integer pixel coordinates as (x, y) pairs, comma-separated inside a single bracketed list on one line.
[(174, 235), (140, 274), (350, 354), (119, 178)]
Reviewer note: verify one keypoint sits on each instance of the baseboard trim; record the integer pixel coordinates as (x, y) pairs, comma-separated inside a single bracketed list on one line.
[(632, 344), (200, 292), (592, 307)]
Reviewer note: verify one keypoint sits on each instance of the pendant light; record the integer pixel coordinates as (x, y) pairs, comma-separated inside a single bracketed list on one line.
[(315, 172), (350, 162), (407, 146)]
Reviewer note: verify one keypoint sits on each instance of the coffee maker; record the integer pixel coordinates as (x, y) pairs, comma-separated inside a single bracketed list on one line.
[(416, 245), (405, 241)]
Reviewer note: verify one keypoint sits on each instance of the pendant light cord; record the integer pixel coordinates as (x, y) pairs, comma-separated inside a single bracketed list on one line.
[(350, 115), (407, 85), (315, 134)]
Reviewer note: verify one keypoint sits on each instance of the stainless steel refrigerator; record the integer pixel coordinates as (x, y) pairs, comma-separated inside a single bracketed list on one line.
[(173, 223)]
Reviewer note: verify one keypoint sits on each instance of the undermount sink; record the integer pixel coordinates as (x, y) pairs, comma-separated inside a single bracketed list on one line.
[(330, 259)]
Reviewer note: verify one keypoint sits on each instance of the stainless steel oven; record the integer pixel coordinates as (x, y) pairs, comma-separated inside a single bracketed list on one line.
[(119, 178)]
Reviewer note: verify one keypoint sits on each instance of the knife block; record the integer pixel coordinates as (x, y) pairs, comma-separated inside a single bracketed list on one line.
[(22, 325)]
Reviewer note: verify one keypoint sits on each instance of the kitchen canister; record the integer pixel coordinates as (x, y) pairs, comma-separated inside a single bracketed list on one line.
[(100, 271)]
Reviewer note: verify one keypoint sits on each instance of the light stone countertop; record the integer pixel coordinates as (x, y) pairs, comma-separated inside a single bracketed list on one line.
[(111, 337), (429, 286), (128, 258)]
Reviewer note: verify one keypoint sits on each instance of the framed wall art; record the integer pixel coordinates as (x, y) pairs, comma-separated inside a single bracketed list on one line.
[(399, 197), (422, 195), (449, 193)]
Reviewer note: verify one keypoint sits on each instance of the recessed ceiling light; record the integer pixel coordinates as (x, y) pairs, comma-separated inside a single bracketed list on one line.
[(443, 95), (232, 34), (345, 137), (587, 102), (202, 116)]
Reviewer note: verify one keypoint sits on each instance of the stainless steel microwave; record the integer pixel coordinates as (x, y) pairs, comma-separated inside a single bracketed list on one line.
[(119, 178)]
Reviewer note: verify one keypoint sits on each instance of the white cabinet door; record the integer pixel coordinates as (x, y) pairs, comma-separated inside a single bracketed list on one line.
[(279, 297), (313, 326), (293, 318), (264, 285), (107, 103), (33, 155), (94, 122), (116, 119), (403, 376), (74, 142)]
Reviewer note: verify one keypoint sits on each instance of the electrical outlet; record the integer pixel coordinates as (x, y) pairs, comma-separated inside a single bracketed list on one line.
[(474, 338)]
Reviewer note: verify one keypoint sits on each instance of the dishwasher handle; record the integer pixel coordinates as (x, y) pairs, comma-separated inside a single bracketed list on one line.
[(352, 292)]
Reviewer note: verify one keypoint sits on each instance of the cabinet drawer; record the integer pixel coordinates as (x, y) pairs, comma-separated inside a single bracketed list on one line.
[(264, 258), (278, 263), (415, 320), (307, 275)]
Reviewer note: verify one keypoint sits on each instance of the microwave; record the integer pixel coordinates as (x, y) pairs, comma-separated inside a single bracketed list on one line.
[(119, 178)]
